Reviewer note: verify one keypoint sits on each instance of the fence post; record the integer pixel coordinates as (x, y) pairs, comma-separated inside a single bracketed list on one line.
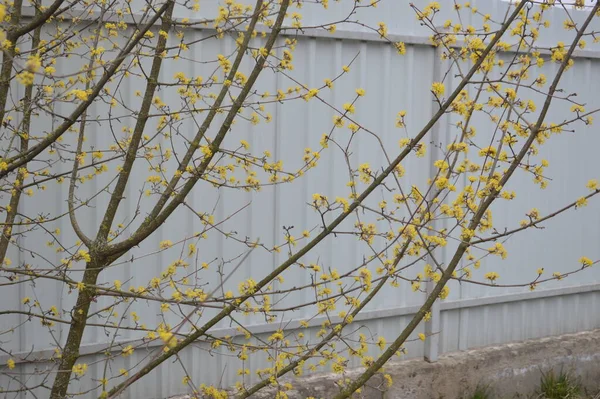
[(438, 134)]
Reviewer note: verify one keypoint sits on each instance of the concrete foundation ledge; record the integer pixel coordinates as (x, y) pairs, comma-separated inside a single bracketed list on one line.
[(509, 370)]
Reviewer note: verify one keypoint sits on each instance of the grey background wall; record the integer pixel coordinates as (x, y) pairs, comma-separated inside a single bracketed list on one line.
[(472, 316)]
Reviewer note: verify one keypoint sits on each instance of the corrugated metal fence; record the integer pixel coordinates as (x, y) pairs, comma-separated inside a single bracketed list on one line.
[(472, 316)]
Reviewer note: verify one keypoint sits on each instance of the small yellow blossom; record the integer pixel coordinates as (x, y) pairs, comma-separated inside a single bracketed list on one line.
[(80, 94), (349, 108), (165, 244), (581, 202), (80, 369), (400, 47), (168, 339), (585, 261), (592, 185), (127, 351), (438, 88)]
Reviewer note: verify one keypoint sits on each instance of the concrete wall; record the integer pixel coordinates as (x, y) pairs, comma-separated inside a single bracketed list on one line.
[(509, 371)]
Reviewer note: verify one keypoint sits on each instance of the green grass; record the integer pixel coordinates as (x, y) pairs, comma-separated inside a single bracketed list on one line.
[(553, 385), (563, 385), (481, 392)]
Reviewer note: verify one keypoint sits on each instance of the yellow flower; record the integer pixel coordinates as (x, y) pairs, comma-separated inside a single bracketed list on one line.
[(338, 121), (438, 88), (577, 108), (534, 214), (165, 244), (84, 255), (80, 94), (25, 78), (127, 351), (311, 93), (400, 47), (581, 202), (291, 240), (585, 261), (319, 200), (168, 339), (154, 179), (557, 275), (467, 234), (498, 249), (276, 336), (365, 172), (349, 108), (80, 369), (10, 363), (360, 92), (422, 336), (33, 63), (383, 30), (488, 151), (388, 380), (445, 292), (441, 183), (492, 276), (441, 164)]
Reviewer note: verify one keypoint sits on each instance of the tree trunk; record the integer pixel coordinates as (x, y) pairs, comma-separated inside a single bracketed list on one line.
[(79, 316)]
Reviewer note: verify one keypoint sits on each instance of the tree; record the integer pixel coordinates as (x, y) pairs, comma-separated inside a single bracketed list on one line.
[(91, 119)]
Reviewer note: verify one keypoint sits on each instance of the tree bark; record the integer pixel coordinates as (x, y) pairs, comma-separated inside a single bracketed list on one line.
[(79, 316)]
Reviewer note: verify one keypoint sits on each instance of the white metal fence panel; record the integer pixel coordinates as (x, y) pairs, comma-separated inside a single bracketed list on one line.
[(472, 316)]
